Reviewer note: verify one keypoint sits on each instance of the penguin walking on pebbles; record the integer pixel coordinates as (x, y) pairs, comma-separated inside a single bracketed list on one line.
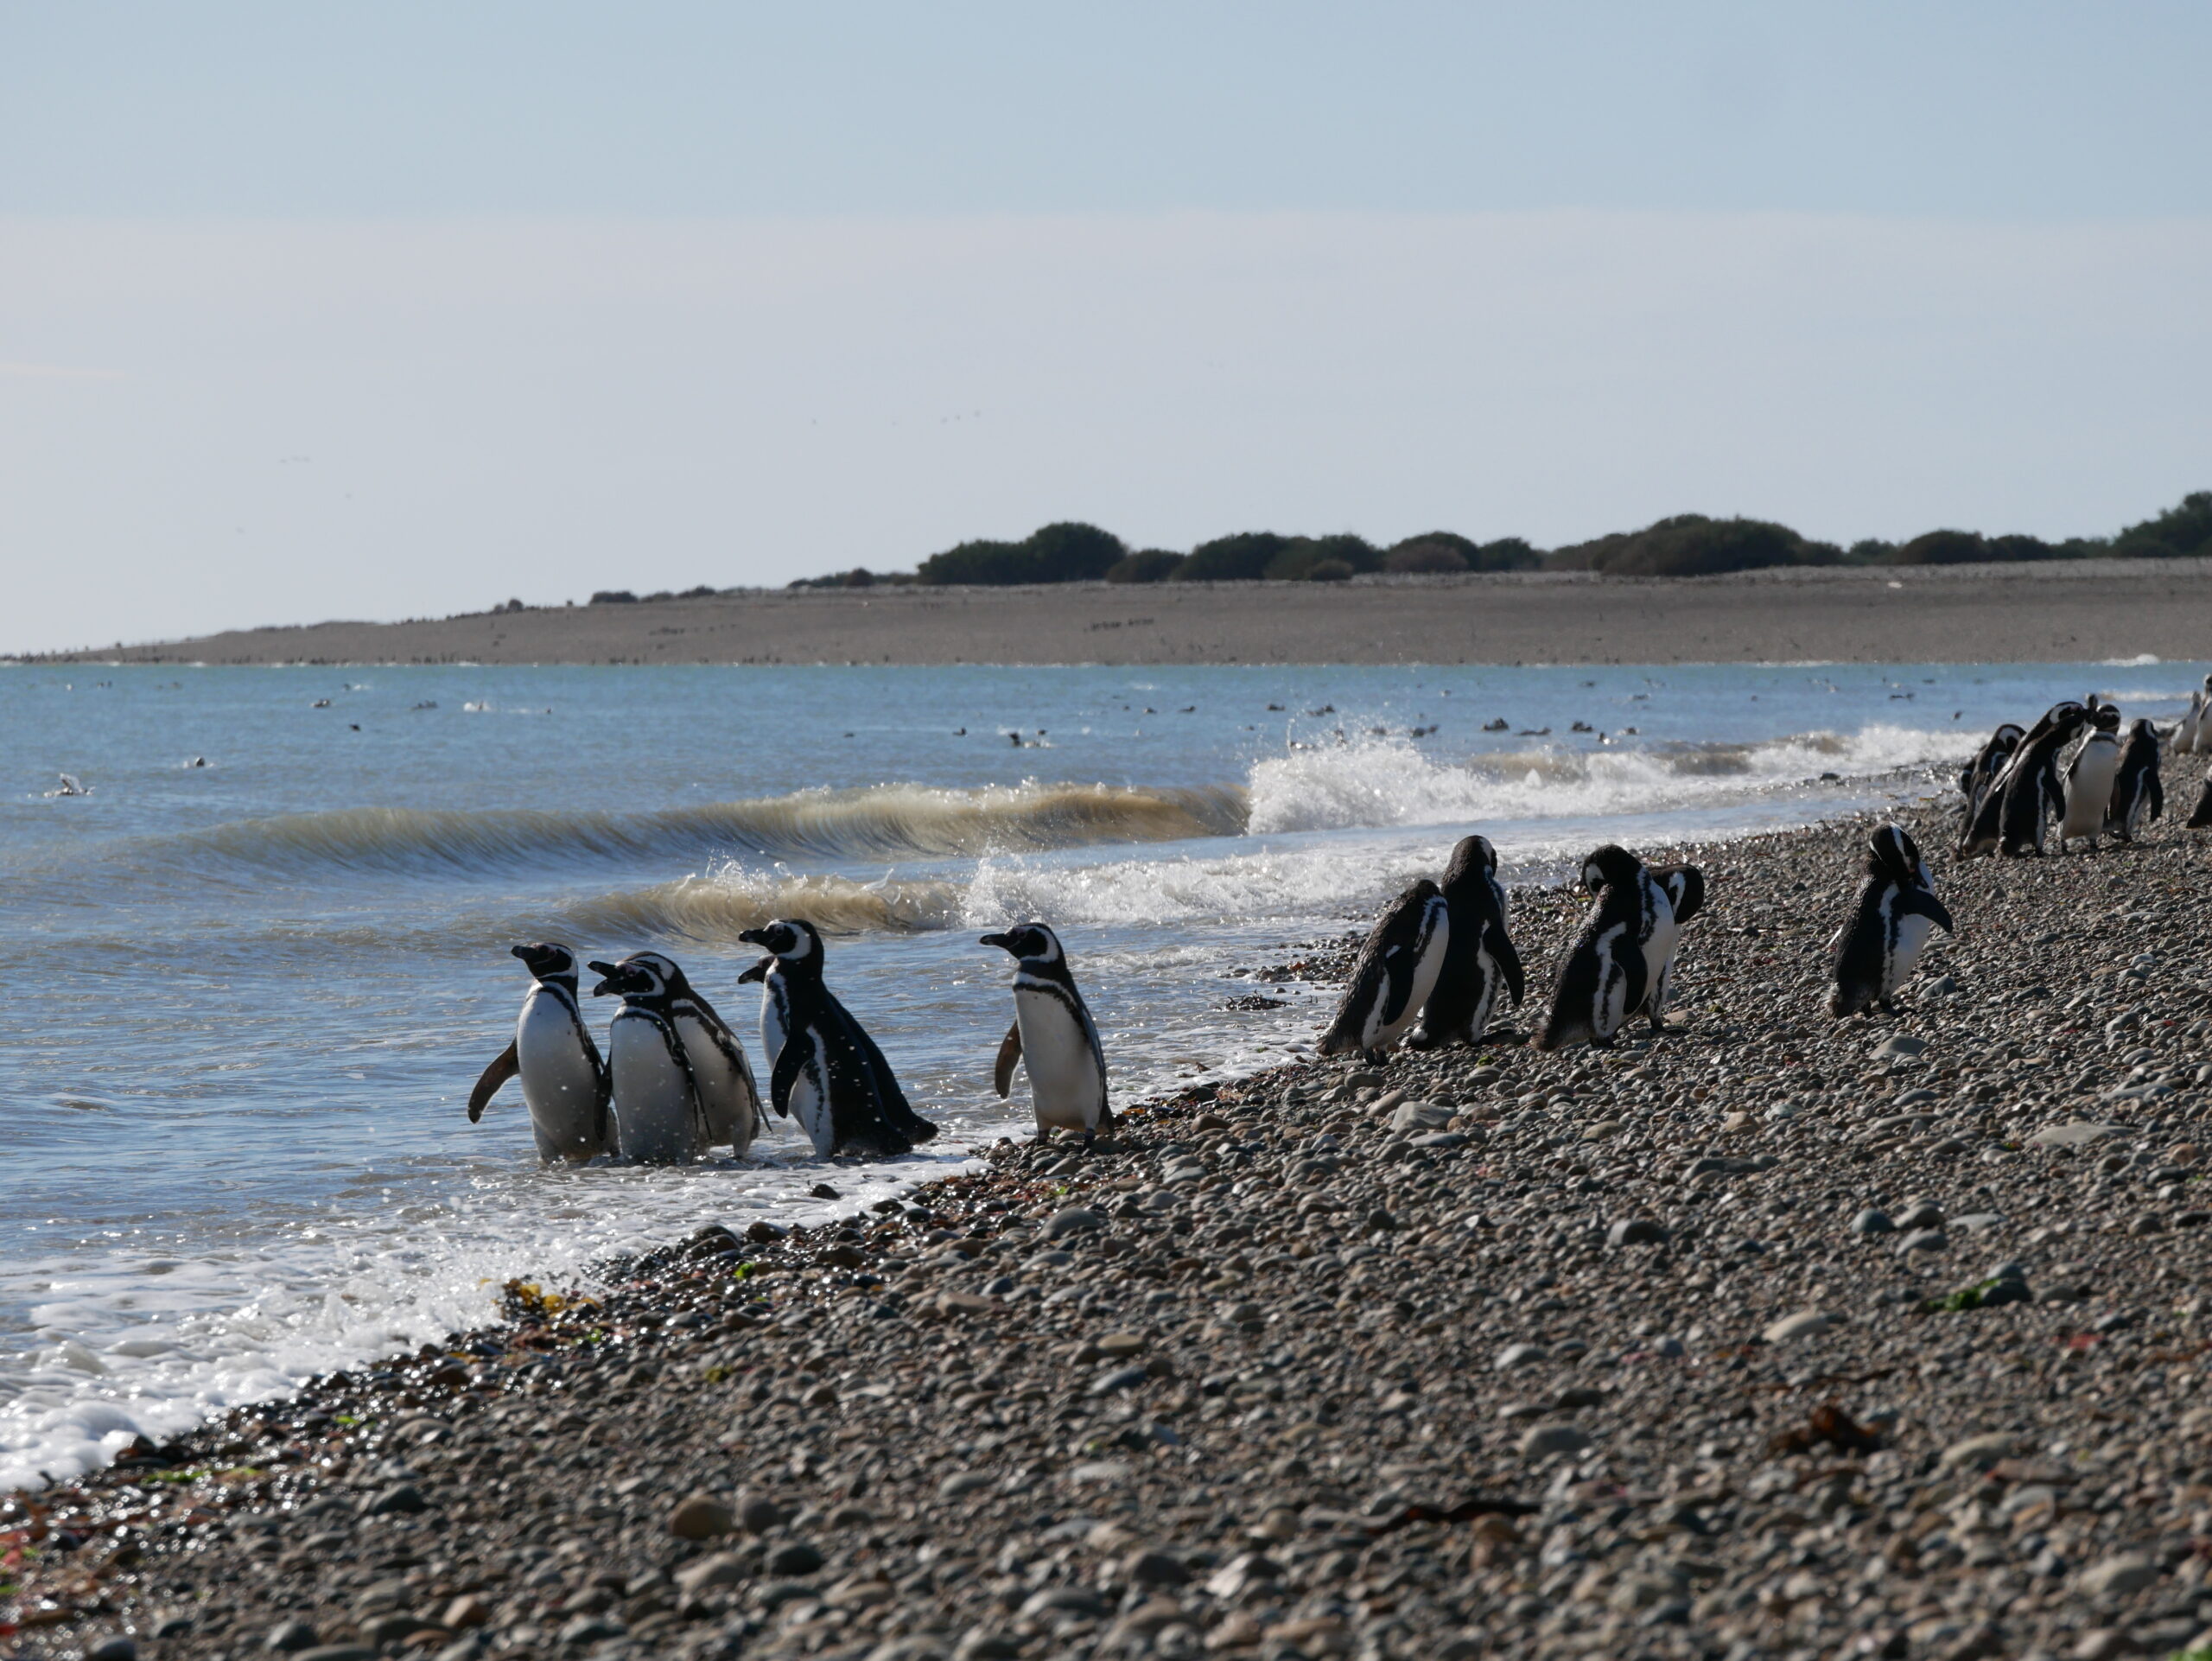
[(2200, 816), (2138, 798), (1396, 971), (660, 1110), (1609, 970), (1479, 956), (1897, 909), (727, 1093), (2016, 810), (2089, 778), (1053, 1037), (827, 1072), (1987, 766), (564, 1084), (1685, 887)]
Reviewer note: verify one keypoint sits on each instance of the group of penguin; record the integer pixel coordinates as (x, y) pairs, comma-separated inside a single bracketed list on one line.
[(1430, 969), (675, 1082)]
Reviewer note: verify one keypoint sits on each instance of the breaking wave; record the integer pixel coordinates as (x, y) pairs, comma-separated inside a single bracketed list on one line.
[(1383, 782), (714, 909), (878, 822)]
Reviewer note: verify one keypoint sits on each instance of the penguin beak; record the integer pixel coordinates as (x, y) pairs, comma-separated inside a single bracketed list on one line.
[(521, 952), (1003, 942), (617, 979), (759, 971), (752, 937)]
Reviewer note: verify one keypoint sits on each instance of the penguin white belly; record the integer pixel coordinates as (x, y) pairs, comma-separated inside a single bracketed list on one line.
[(722, 1094), (559, 1084), (775, 1021), (1064, 1087), (2088, 787), (810, 1106), (1910, 934), (1665, 934), (655, 1117)]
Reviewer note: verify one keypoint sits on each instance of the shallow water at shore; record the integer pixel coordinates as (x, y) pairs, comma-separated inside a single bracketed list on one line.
[(256, 992)]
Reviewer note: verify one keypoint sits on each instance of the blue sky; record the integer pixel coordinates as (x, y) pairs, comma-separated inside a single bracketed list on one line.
[(385, 310)]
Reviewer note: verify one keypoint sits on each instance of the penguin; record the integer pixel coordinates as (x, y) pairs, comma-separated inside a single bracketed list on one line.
[(1685, 887), (775, 1016), (2016, 808), (827, 1072), (727, 1091), (1988, 762), (2088, 779), (1053, 1037), (1608, 972), (1478, 954), (2189, 732), (2200, 816), (660, 1110), (1394, 974), (1898, 908), (564, 1084), (2138, 798)]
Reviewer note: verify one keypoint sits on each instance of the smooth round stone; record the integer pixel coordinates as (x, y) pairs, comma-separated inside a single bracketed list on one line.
[(1871, 1221)]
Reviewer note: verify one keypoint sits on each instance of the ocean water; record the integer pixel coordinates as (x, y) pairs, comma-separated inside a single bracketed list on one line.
[(257, 966)]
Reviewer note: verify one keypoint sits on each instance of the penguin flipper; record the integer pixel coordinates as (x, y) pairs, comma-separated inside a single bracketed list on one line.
[(1921, 903), (505, 1067), (2155, 794), (1398, 965), (1009, 1052), (790, 1061), (1509, 963)]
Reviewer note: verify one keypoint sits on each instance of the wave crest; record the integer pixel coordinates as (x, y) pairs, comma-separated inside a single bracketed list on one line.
[(713, 910), (882, 821)]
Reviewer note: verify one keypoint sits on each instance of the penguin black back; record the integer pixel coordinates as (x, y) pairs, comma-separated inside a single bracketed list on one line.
[(1396, 971), (2138, 797), (1478, 957), (1605, 977)]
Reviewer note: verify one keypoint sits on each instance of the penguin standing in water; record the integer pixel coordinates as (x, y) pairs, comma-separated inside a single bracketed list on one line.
[(1478, 954), (1986, 768), (1396, 971), (1610, 968), (660, 1115), (1053, 1037), (2089, 779), (564, 1084), (826, 1072), (2137, 797), (2028, 782), (1897, 911), (1685, 887), (726, 1091)]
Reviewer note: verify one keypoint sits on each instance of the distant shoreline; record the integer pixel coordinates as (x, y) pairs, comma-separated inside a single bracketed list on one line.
[(2056, 611)]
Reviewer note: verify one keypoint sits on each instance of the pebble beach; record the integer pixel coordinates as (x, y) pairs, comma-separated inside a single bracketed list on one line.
[(1774, 1335)]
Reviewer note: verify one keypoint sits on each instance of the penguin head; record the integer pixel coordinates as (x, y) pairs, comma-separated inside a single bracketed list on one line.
[(790, 941), (2006, 738), (547, 960), (1472, 855), (1893, 854), (671, 978), (1685, 887), (2065, 716), (2106, 717), (1607, 865), (636, 977), (1030, 942), (2144, 730)]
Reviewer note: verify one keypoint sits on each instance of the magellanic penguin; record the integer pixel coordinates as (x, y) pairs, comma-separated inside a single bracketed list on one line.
[(2015, 811), (1394, 974), (1053, 1037), (2138, 798), (827, 1072), (719, 1066), (1479, 955), (564, 1084), (2089, 777), (1877, 949), (2200, 816), (1983, 771), (1609, 970), (1685, 887), (660, 1114)]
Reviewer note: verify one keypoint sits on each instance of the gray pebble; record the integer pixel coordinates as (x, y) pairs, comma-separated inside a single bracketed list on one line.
[(290, 1635), (797, 1558), (1871, 1221), (1637, 1231), (1546, 1439)]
